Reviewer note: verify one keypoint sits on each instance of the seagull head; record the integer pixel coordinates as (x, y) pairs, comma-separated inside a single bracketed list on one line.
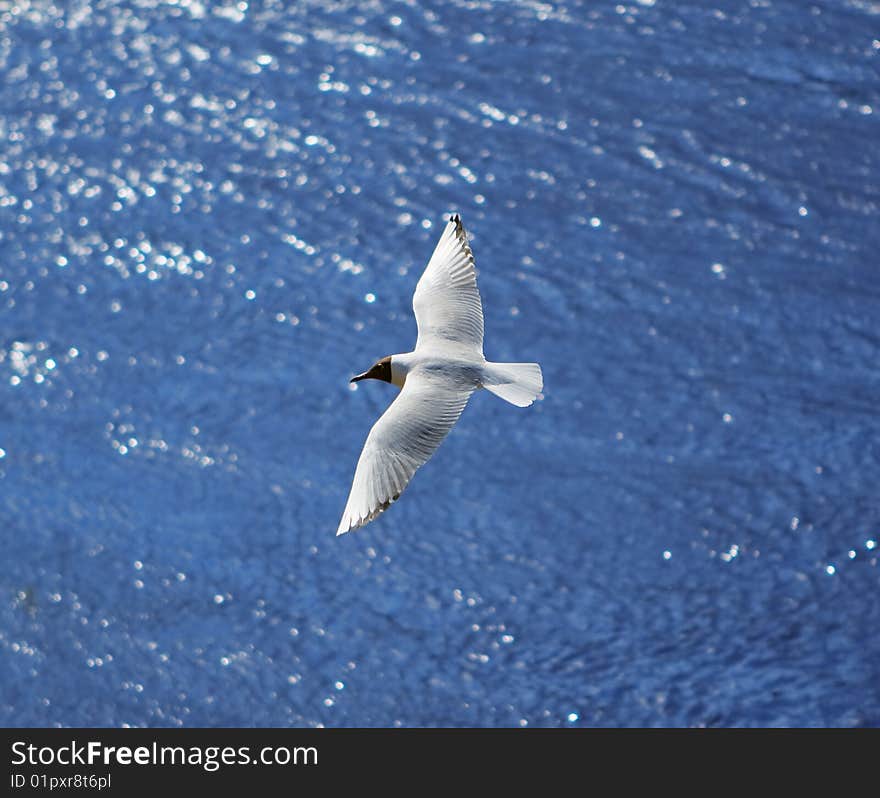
[(381, 370)]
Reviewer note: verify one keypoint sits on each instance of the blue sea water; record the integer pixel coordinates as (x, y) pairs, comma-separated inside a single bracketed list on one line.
[(212, 214)]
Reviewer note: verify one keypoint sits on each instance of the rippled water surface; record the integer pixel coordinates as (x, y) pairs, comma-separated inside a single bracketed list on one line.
[(213, 214)]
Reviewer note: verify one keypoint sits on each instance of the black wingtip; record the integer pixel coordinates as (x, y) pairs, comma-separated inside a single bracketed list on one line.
[(455, 218)]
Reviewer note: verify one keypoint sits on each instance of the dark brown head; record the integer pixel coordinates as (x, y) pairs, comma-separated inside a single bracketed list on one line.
[(380, 371)]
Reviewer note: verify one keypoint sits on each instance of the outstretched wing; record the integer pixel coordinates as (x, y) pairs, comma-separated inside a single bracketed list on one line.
[(402, 440), (446, 302)]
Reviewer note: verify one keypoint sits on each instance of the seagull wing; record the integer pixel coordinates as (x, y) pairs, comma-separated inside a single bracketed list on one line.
[(446, 302), (404, 438)]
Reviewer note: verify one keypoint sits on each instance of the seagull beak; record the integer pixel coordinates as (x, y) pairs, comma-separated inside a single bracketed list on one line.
[(361, 376)]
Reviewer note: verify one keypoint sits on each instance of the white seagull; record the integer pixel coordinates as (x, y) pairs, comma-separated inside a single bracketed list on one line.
[(436, 380)]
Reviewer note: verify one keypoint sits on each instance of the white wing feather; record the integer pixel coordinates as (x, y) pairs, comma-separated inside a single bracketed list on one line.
[(402, 440), (446, 302)]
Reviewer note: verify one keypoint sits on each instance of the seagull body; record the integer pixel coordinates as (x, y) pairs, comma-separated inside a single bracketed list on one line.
[(436, 380)]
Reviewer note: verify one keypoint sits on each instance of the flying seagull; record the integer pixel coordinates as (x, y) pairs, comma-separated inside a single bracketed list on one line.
[(436, 380)]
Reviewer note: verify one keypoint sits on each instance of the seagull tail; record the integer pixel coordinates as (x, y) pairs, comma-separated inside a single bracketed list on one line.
[(517, 383)]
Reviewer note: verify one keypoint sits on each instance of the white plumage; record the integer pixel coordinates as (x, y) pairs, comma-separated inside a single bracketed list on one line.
[(446, 302), (436, 380)]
